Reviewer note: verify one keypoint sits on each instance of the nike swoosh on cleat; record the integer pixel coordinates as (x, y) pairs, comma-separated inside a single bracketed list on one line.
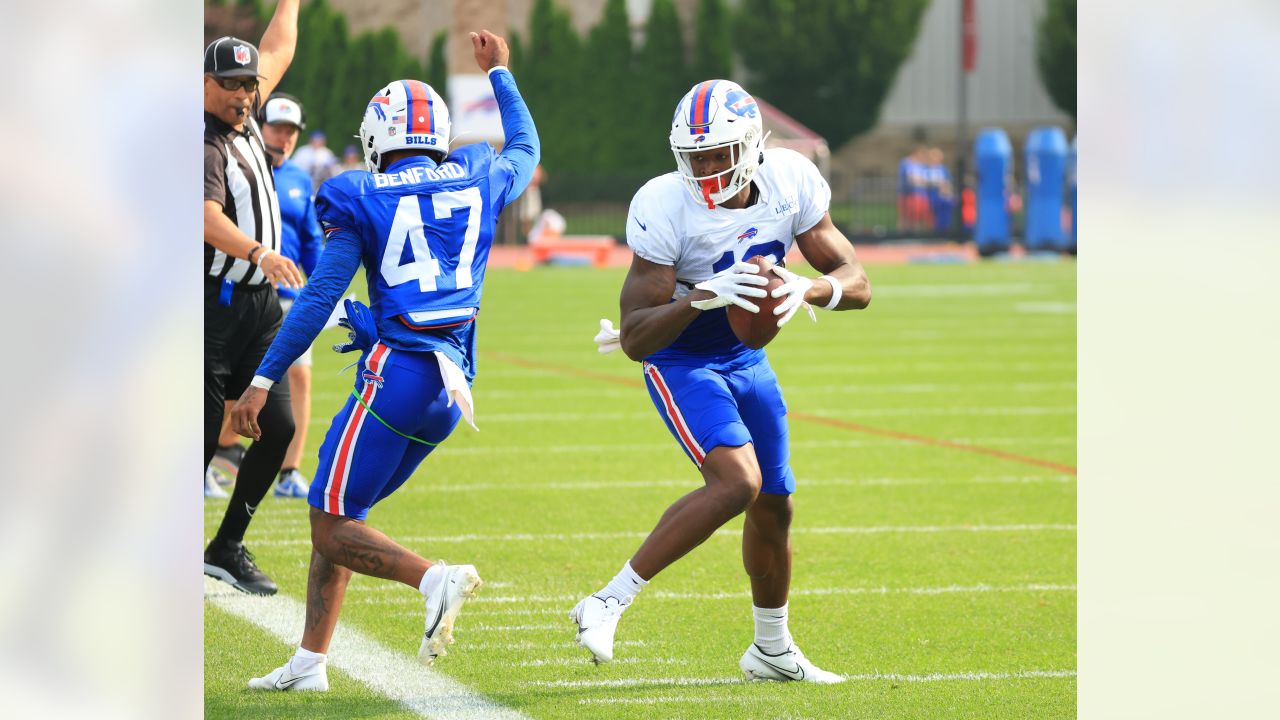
[(789, 672), (284, 685), (642, 225)]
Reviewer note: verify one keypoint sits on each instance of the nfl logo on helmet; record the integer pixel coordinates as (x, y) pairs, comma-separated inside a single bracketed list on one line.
[(241, 54)]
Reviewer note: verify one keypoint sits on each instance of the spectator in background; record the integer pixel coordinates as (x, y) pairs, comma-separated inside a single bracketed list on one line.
[(941, 194), (317, 159), (301, 242), (913, 191), (351, 159)]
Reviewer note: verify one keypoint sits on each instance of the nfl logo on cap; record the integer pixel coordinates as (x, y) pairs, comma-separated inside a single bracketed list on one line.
[(241, 54)]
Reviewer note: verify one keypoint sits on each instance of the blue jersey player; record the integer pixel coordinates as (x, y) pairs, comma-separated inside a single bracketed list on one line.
[(691, 232), (421, 223)]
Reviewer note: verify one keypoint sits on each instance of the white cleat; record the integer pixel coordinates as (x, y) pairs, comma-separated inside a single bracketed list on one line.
[(282, 679), (597, 620), (460, 582), (790, 665)]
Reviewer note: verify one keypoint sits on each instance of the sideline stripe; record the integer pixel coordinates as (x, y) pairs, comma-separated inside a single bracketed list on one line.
[(842, 424), (395, 675)]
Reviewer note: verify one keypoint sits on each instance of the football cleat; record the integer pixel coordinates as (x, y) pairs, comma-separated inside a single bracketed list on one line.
[(791, 664), (211, 486), (291, 484), (315, 679), (443, 605), (597, 620), (233, 564)]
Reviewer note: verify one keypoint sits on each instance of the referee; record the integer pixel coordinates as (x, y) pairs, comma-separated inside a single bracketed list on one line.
[(242, 263)]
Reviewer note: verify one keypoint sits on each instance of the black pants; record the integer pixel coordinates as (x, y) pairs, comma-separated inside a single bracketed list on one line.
[(236, 337)]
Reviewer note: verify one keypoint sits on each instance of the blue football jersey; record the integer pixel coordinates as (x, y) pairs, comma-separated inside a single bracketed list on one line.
[(425, 232)]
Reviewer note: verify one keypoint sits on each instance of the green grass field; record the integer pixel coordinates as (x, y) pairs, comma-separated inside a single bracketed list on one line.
[(934, 442)]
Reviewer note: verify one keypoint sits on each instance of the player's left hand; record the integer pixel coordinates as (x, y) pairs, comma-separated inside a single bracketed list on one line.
[(490, 50), (244, 414), (608, 339), (794, 288), (362, 329)]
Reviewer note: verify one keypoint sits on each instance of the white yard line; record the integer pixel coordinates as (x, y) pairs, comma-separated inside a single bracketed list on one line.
[(396, 675), (722, 533), (882, 590), (702, 682), (723, 698)]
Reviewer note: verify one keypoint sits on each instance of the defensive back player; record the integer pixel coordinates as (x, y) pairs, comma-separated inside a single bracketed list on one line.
[(691, 232), (421, 224)]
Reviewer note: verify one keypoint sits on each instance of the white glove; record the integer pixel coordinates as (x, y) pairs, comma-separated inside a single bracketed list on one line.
[(741, 279), (794, 287), (608, 339)]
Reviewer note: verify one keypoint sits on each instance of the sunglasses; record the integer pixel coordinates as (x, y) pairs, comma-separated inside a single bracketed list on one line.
[(250, 84)]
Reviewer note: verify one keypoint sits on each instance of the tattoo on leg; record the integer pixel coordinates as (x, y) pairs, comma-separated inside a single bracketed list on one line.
[(363, 556), (317, 601)]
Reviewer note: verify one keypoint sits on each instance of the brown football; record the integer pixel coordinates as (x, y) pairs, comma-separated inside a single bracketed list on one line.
[(755, 330)]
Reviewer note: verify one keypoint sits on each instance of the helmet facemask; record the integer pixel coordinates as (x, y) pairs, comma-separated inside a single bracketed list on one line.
[(715, 189)]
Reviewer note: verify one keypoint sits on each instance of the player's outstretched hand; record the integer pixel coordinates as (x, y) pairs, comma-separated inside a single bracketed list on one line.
[(362, 329), (740, 280), (491, 50), (244, 414), (280, 270)]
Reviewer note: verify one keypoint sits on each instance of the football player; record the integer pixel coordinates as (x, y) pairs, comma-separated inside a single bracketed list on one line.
[(421, 221), (691, 232)]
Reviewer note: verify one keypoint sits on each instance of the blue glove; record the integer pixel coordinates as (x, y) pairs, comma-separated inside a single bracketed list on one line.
[(362, 329)]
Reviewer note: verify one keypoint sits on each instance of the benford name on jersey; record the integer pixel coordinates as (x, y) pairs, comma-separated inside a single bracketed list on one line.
[(417, 174)]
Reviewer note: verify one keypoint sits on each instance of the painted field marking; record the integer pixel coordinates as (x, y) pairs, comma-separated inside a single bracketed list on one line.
[(722, 533), (722, 698), (739, 594), (396, 675), (581, 660), (702, 682), (808, 417)]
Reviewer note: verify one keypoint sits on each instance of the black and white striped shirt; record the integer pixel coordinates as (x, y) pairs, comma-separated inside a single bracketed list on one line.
[(237, 175)]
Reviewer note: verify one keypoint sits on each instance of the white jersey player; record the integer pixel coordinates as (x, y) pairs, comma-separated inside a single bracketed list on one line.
[(691, 232)]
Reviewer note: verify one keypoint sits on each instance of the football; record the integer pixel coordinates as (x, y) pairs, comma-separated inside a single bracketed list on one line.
[(755, 330)]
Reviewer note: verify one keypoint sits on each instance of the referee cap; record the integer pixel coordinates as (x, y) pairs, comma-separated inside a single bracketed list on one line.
[(231, 57)]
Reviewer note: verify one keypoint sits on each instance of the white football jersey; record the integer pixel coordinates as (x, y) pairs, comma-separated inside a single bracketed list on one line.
[(667, 226)]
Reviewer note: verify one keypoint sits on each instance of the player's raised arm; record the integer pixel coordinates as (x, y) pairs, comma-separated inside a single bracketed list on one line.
[(522, 148), (275, 51)]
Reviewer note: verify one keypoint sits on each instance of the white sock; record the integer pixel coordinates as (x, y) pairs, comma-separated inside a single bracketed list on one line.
[(772, 635), (431, 579), (624, 586), (304, 660)]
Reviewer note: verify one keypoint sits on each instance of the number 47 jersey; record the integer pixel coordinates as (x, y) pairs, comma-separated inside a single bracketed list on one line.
[(425, 231)]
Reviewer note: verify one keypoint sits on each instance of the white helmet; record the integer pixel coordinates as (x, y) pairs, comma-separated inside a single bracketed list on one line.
[(404, 115), (717, 114)]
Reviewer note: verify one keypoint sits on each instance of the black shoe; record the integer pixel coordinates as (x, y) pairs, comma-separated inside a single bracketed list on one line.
[(233, 564)]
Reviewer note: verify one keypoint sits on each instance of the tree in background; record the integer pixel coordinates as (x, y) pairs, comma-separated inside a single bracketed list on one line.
[(437, 64), (713, 46), (829, 65), (663, 77), (552, 57), (1056, 53), (608, 129)]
